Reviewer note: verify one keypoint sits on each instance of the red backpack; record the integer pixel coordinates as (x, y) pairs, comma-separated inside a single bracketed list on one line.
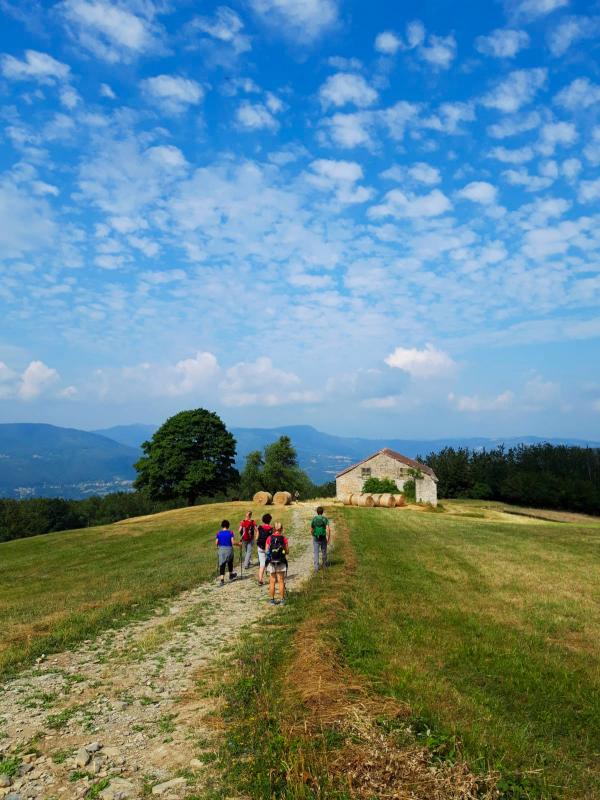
[(248, 527)]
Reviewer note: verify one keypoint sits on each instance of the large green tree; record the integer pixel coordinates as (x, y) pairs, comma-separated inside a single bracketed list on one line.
[(251, 480), (191, 455), (281, 471)]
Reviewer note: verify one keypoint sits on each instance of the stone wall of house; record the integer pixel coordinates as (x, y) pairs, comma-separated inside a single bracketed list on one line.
[(426, 490), (383, 466), (380, 466)]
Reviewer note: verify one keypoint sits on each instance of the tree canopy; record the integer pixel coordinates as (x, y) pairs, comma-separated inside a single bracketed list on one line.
[(276, 470), (190, 455)]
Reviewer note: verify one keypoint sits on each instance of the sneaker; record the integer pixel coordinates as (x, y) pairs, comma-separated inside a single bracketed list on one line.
[(221, 582), (261, 583), (232, 576), (282, 601), (272, 602)]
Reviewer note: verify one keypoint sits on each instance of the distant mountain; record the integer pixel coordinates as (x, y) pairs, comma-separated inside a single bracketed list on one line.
[(130, 435), (48, 461), (323, 455)]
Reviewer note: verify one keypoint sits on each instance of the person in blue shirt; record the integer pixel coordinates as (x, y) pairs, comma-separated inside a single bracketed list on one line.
[(225, 540)]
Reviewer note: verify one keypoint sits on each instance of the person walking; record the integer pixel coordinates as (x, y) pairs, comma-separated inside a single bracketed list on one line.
[(247, 534), (321, 532), (277, 551), (263, 533), (225, 540)]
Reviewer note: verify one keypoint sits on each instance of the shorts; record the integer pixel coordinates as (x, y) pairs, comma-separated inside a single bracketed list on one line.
[(272, 569), (262, 557)]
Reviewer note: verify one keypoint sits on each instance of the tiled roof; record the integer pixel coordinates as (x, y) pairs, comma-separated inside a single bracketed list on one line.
[(410, 462)]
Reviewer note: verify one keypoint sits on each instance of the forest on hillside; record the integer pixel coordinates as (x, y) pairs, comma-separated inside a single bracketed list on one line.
[(542, 475)]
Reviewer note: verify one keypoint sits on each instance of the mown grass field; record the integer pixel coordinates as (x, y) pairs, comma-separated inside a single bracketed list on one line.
[(60, 588), (490, 630)]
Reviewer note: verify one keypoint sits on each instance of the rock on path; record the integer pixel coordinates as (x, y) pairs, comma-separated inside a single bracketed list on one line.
[(126, 712)]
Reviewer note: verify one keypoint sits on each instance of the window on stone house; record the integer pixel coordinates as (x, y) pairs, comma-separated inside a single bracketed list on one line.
[(365, 472)]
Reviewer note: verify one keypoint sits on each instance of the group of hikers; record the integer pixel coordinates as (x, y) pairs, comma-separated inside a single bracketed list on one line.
[(272, 547)]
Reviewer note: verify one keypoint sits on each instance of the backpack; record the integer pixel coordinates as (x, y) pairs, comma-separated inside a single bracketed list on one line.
[(247, 530), (264, 531), (277, 549), (319, 527)]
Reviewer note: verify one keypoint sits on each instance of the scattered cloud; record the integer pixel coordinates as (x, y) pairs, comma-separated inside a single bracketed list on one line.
[(302, 21), (475, 403), (531, 9), (555, 134), (173, 93), (260, 383), (255, 117), (388, 43), (410, 206), (516, 90), (427, 363), (570, 30), (479, 192), (502, 43), (36, 380), (345, 88), (437, 51), (113, 32), (340, 177), (35, 66), (580, 93), (222, 35)]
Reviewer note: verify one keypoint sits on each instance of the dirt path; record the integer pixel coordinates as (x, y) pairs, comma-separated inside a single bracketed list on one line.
[(123, 716)]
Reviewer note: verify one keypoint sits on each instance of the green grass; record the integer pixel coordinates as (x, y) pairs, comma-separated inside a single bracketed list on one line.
[(58, 589), (489, 630)]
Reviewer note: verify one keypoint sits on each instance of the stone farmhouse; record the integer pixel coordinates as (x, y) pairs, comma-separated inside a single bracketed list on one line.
[(388, 464)]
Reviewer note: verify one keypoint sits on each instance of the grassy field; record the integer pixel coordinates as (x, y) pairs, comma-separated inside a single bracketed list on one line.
[(60, 588), (489, 628)]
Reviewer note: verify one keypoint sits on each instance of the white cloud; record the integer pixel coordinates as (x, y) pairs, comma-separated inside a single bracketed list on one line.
[(415, 33), (300, 20), (350, 130), (479, 192), (36, 378), (571, 30), (512, 126), (427, 363), (449, 117), (26, 223), (539, 393), (592, 148), (410, 206), (474, 403), (110, 30), (194, 375), (530, 9), (225, 27), (502, 43), (106, 91), (517, 90), (589, 191), (345, 87), (261, 383), (340, 177), (440, 51), (516, 156), (35, 66), (424, 173), (531, 183), (69, 98), (174, 93), (255, 116), (556, 133), (388, 43), (580, 93)]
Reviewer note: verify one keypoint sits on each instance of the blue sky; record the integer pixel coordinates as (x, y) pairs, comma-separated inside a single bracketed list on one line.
[(371, 217)]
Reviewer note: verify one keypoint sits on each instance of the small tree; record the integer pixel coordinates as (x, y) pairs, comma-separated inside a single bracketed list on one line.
[(380, 486), (191, 455), (251, 480), (281, 471)]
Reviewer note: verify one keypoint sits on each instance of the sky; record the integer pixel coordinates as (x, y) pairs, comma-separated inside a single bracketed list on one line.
[(376, 218)]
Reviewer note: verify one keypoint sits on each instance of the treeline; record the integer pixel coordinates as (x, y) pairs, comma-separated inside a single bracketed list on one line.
[(20, 519), (544, 475)]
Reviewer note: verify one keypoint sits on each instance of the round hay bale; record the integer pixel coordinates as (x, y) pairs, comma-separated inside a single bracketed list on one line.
[(376, 498), (346, 499), (263, 498), (387, 500), (400, 501), (354, 499), (366, 500), (282, 498)]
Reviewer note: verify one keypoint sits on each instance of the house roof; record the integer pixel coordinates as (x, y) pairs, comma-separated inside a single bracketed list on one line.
[(410, 462)]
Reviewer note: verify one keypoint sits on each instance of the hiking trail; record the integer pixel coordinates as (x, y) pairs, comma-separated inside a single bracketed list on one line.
[(125, 715)]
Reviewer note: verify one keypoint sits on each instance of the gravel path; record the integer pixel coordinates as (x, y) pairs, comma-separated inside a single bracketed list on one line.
[(129, 714)]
